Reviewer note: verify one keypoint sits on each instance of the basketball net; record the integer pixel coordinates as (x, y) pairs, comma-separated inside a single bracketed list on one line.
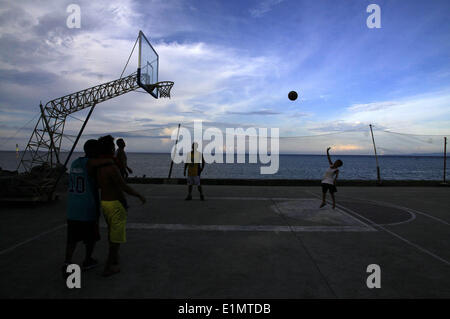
[(164, 88)]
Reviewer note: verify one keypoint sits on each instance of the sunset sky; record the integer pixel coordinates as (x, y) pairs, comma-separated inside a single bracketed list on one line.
[(233, 64)]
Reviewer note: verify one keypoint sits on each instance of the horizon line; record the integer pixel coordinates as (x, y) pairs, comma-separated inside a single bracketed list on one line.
[(293, 154)]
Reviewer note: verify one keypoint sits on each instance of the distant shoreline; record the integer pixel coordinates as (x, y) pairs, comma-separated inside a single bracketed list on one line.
[(294, 154)]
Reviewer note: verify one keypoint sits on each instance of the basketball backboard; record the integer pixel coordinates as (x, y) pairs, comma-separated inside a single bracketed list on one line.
[(147, 73)]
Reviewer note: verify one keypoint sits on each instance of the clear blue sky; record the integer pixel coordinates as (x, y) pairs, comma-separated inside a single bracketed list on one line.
[(233, 63)]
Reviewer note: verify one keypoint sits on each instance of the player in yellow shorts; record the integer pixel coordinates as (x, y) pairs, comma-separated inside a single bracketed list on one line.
[(113, 203), (116, 218)]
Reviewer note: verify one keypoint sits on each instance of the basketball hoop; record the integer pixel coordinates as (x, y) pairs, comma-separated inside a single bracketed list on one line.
[(164, 88)]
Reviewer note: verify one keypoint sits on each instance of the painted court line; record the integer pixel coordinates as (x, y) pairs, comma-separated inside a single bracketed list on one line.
[(249, 228), (340, 209), (424, 250), (255, 228), (277, 199), (241, 198), (407, 209), (31, 239), (429, 216), (235, 228), (305, 248)]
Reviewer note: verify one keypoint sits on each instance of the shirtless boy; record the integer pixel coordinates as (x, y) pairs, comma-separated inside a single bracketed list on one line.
[(112, 202)]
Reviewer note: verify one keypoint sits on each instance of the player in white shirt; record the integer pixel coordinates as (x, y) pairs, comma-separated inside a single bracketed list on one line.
[(329, 179)]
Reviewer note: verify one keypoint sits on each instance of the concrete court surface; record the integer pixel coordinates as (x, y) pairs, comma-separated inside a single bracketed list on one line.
[(244, 242)]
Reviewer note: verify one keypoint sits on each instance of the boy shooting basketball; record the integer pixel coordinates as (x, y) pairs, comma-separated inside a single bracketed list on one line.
[(329, 179)]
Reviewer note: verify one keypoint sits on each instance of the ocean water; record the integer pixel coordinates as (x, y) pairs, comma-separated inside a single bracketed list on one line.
[(290, 167)]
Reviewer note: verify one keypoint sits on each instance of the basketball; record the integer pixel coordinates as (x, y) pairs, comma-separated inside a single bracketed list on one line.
[(292, 95)]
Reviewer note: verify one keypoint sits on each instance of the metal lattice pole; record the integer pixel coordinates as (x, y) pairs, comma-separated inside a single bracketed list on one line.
[(45, 141)]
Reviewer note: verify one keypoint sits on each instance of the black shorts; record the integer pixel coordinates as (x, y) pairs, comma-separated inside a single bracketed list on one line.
[(328, 187), (77, 230)]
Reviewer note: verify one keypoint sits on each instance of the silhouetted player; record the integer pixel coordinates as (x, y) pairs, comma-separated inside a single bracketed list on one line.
[(195, 163), (113, 203), (122, 159), (83, 205), (329, 179)]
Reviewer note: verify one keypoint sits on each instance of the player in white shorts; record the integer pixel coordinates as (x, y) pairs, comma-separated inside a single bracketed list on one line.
[(329, 179), (195, 163)]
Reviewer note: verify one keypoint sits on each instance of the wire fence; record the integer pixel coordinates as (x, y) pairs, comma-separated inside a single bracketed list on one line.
[(401, 156)]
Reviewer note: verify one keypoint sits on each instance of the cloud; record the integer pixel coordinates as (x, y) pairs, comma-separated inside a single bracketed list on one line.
[(301, 114), (222, 75), (347, 147), (28, 78), (71, 60), (411, 114), (193, 111), (264, 7), (261, 112), (375, 106), (340, 126), (143, 120)]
